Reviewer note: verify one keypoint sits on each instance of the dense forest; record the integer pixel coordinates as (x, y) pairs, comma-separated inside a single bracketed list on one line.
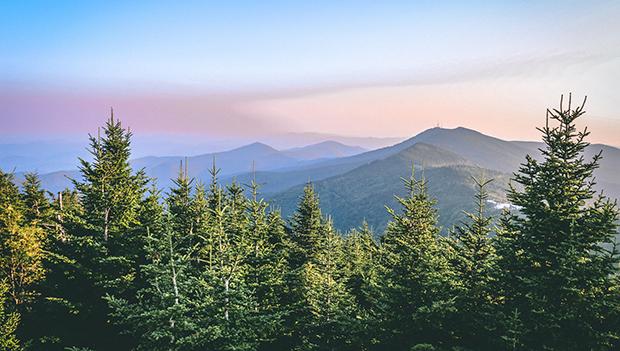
[(116, 264)]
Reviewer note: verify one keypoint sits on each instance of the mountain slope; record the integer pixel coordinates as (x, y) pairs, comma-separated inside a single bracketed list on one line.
[(326, 149), (482, 150), (257, 155), (363, 192)]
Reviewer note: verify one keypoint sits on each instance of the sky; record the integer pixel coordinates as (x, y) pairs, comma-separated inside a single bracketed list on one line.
[(248, 69)]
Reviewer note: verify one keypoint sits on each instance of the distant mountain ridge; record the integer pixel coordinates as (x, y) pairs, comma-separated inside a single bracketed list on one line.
[(322, 150), (354, 184), (254, 157)]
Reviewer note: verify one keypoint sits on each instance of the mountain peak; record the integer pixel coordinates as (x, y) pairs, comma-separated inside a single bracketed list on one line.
[(256, 147)]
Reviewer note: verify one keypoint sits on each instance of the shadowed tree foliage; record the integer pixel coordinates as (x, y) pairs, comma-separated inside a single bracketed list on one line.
[(558, 261), (9, 322)]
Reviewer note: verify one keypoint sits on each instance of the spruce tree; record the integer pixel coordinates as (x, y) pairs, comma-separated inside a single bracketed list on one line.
[(9, 192), (36, 203), (557, 257), (322, 312), (228, 297), (267, 264), (110, 192), (306, 226), (160, 316), (416, 275), (179, 201), (474, 263), (108, 241), (362, 262), (181, 208), (362, 258), (331, 320), (23, 253)]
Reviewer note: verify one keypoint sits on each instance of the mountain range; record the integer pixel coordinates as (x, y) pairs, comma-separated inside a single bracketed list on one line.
[(355, 184)]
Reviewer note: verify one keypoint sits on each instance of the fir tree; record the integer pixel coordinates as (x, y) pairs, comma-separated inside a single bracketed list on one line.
[(362, 262), (362, 258), (416, 279), (161, 316), (110, 193), (558, 261), (180, 205), (108, 241), (230, 304), (474, 263), (267, 264), (36, 203), (9, 193), (306, 228), (331, 322), (306, 225), (322, 308)]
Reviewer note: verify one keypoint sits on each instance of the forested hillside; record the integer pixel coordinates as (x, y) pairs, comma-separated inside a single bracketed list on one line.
[(362, 194), (115, 263)]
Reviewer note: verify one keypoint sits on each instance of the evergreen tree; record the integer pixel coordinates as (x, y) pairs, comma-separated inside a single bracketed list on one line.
[(108, 241), (9, 193), (9, 322), (36, 204), (56, 291), (227, 297), (474, 263), (305, 230), (557, 257), (267, 264), (331, 319), (322, 309), (361, 254), (161, 316), (180, 205), (21, 253), (416, 279), (110, 193), (362, 258), (306, 226)]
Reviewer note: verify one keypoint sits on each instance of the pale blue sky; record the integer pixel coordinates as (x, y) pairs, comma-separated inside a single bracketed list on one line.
[(254, 53)]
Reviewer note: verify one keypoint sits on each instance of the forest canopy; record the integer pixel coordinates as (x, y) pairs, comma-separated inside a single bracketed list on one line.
[(115, 263)]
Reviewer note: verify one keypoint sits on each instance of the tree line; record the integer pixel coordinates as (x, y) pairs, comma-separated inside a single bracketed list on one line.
[(115, 264)]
